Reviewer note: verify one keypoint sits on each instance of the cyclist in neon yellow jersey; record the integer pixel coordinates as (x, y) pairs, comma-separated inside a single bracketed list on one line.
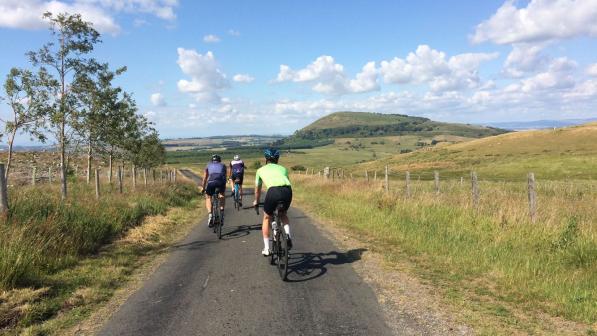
[(275, 178)]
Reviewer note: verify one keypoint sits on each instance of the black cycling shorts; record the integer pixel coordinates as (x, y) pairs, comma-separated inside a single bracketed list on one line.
[(239, 176), (210, 189), (276, 195)]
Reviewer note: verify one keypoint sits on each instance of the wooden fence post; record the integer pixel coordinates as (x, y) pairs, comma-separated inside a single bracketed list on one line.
[(367, 175), (407, 184), (97, 184), (3, 191), (152, 176), (50, 175), (375, 176), (33, 175), (145, 176), (475, 189), (134, 173), (174, 172), (387, 181), (532, 197), (436, 181), (120, 179), (461, 181)]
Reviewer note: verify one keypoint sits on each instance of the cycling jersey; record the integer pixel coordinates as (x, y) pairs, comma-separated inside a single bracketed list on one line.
[(237, 166), (273, 175), (216, 173)]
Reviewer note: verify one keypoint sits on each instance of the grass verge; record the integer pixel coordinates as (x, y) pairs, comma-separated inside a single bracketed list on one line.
[(503, 273), (61, 261)]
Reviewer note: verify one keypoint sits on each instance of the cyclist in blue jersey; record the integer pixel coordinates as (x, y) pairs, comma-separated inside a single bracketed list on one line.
[(237, 173), (214, 177)]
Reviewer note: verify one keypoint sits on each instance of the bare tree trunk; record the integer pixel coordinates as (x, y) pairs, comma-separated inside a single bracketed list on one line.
[(9, 159), (63, 123), (89, 150), (110, 168)]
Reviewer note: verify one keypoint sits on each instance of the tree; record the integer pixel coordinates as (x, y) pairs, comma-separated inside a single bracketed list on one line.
[(28, 96), (73, 38), (97, 99), (151, 152)]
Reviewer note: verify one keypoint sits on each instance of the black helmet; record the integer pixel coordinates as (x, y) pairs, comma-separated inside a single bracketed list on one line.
[(271, 154), (216, 158)]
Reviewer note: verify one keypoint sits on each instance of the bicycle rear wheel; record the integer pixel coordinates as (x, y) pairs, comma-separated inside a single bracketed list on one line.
[(220, 223), (214, 213), (282, 255)]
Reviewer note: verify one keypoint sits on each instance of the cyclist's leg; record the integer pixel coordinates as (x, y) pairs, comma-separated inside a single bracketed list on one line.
[(240, 187), (223, 196)]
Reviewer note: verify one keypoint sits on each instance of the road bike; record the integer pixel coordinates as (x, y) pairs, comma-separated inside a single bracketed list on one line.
[(236, 194), (279, 253), (217, 215)]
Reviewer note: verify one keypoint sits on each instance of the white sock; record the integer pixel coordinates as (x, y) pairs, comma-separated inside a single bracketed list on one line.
[(266, 242), (287, 229)]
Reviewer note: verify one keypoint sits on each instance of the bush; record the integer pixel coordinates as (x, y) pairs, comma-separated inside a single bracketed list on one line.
[(256, 165), (298, 168)]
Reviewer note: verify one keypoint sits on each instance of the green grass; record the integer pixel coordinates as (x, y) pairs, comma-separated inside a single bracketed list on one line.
[(568, 153), (502, 271), (45, 245)]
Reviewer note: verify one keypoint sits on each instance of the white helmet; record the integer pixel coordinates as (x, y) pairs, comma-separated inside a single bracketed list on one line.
[(236, 157)]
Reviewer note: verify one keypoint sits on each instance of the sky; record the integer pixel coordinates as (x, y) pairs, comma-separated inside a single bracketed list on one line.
[(203, 68)]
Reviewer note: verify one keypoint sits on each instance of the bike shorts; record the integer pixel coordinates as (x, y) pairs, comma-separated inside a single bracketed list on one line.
[(276, 195), (210, 189), (239, 176)]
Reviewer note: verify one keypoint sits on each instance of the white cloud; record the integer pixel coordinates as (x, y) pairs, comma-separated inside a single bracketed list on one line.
[(525, 59), (427, 65), (328, 77), (157, 99), (27, 14), (233, 32), (207, 79), (211, 38), (243, 78), (540, 20), (592, 70)]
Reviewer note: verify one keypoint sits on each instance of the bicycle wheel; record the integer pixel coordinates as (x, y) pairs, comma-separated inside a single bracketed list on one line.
[(220, 223), (214, 213), (274, 251), (282, 257)]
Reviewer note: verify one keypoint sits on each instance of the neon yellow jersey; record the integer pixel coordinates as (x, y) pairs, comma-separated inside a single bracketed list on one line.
[(273, 175)]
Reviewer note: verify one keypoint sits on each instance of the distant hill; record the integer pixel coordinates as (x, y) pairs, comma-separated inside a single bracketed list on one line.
[(540, 124), (562, 153), (366, 124)]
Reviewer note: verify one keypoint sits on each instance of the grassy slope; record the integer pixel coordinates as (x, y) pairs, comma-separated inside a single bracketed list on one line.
[(551, 154), (503, 273)]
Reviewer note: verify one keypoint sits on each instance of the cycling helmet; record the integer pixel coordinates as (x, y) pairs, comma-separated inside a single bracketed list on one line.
[(236, 157), (216, 158), (271, 154)]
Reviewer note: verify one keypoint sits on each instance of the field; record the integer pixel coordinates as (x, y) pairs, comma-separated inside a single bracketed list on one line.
[(565, 153), (502, 272)]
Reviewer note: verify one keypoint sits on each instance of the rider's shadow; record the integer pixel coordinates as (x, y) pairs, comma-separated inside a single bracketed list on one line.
[(308, 266), (240, 231)]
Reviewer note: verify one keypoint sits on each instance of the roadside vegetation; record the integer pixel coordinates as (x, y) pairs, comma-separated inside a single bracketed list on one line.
[(501, 270), (57, 257)]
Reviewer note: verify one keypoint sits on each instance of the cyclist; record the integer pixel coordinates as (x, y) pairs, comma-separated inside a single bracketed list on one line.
[(214, 177), (237, 172), (275, 178)]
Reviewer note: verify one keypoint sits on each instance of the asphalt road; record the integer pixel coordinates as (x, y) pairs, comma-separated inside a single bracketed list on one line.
[(225, 287)]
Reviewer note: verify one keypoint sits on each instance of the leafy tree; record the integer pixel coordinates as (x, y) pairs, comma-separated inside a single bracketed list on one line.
[(151, 152), (73, 38), (28, 96)]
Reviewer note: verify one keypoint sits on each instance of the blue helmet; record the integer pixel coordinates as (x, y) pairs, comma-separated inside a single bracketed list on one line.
[(271, 154)]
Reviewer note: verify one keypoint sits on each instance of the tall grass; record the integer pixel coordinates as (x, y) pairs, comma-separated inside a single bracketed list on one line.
[(42, 234), (549, 265)]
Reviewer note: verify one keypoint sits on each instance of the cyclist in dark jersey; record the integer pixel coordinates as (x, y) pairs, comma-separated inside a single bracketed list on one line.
[(237, 172), (275, 177), (214, 177)]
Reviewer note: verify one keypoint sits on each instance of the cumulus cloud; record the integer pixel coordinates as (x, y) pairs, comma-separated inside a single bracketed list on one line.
[(592, 70), (540, 20), (207, 78), (243, 78), (524, 59), (233, 32), (27, 14), (211, 38), (157, 99), (329, 77), (427, 65)]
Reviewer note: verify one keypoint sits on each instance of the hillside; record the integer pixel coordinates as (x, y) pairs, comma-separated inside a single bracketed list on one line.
[(365, 124), (551, 154)]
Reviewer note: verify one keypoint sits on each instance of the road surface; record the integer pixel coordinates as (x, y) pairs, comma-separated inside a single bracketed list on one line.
[(225, 287)]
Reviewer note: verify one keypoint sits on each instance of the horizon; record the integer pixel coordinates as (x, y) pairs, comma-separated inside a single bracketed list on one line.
[(200, 69)]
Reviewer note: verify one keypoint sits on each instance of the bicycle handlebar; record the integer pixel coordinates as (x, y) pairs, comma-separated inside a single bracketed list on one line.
[(256, 207)]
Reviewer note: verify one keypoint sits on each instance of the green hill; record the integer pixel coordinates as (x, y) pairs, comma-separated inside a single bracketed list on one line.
[(366, 124), (563, 153)]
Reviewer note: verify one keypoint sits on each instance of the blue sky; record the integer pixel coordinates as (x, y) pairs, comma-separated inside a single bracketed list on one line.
[(199, 68)]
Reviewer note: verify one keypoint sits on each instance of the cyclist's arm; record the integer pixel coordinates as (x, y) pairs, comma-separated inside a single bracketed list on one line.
[(258, 184), (205, 177)]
